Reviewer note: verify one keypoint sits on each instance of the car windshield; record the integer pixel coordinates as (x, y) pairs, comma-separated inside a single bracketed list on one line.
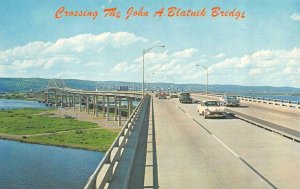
[(212, 103)]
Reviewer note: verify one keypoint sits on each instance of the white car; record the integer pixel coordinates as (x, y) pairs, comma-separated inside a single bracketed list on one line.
[(230, 100), (211, 108)]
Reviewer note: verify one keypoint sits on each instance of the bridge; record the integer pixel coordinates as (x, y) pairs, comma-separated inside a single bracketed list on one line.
[(166, 144)]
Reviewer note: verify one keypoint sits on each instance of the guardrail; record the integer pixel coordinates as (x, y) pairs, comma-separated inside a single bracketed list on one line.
[(134, 94), (276, 102), (266, 101), (106, 169)]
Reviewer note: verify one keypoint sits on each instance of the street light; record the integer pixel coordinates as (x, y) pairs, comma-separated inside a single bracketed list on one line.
[(144, 52), (206, 77)]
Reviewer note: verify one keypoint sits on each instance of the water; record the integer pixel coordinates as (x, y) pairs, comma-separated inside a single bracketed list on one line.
[(18, 104), (274, 96), (35, 166)]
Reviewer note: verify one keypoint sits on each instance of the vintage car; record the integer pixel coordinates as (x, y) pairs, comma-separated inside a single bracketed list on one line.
[(185, 98), (211, 108), (229, 100), (162, 95), (173, 95)]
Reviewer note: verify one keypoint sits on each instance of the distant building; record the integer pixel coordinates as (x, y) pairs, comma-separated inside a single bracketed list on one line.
[(122, 88)]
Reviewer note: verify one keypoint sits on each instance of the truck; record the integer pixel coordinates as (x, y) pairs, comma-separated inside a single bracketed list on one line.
[(185, 98)]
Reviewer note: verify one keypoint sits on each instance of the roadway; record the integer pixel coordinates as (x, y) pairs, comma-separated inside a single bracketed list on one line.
[(193, 152), (282, 117)]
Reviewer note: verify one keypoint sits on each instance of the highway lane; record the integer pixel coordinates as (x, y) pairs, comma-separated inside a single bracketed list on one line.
[(271, 114), (189, 157), (274, 157)]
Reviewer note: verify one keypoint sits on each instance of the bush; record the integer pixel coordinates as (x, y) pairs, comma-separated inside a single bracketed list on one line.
[(79, 132)]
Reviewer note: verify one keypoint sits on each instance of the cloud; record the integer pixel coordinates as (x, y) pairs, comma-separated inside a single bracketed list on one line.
[(74, 53), (261, 68), (295, 17), (152, 57), (218, 56), (187, 53), (123, 67)]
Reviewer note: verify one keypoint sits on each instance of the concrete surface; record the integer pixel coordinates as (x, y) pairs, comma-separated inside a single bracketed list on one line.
[(190, 157), (273, 157), (271, 114)]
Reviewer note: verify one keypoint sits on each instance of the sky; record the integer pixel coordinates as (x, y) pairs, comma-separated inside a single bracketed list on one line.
[(261, 49)]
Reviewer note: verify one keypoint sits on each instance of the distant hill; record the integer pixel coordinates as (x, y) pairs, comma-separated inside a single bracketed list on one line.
[(37, 84)]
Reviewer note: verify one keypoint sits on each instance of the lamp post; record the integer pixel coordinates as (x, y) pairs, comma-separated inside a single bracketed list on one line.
[(206, 77), (144, 52)]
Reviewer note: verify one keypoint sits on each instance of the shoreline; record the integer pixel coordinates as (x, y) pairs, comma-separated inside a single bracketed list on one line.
[(19, 139), (85, 132)]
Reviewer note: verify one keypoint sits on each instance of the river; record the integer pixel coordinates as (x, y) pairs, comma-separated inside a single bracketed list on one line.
[(17, 104), (33, 166)]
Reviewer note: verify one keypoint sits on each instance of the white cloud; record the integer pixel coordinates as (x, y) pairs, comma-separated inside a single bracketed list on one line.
[(187, 53), (153, 57), (125, 67), (74, 53), (218, 56), (295, 17)]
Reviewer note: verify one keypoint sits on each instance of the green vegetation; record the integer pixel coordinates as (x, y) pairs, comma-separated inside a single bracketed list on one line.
[(16, 96), (39, 126), (34, 121), (93, 139)]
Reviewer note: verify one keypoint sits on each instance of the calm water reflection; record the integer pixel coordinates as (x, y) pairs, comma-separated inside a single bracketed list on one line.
[(17, 104), (43, 167)]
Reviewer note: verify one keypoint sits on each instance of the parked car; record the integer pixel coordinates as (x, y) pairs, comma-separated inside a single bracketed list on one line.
[(230, 100), (211, 108), (173, 95), (185, 98), (162, 95)]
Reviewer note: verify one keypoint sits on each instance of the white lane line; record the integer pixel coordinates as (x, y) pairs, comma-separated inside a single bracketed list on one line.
[(229, 149), (188, 115)]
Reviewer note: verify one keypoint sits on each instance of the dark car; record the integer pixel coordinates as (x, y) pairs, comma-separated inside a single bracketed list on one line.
[(185, 98)]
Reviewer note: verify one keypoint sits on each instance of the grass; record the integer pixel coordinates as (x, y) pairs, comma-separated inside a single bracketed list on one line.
[(16, 96), (94, 139), (24, 124), (31, 121)]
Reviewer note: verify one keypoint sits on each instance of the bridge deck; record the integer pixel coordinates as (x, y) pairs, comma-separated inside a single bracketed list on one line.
[(229, 150), (288, 119)]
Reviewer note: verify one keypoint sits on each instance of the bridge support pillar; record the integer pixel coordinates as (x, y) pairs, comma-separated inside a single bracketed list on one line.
[(55, 99), (47, 97), (80, 102), (62, 100), (74, 101), (107, 109), (69, 100), (97, 106), (94, 104), (87, 104), (129, 104), (103, 106), (116, 110), (120, 112)]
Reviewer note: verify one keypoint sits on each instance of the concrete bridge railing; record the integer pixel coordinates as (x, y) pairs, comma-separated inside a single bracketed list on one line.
[(293, 105), (105, 171)]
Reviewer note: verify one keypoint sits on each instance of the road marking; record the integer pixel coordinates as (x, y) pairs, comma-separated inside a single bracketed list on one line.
[(188, 115), (230, 150)]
